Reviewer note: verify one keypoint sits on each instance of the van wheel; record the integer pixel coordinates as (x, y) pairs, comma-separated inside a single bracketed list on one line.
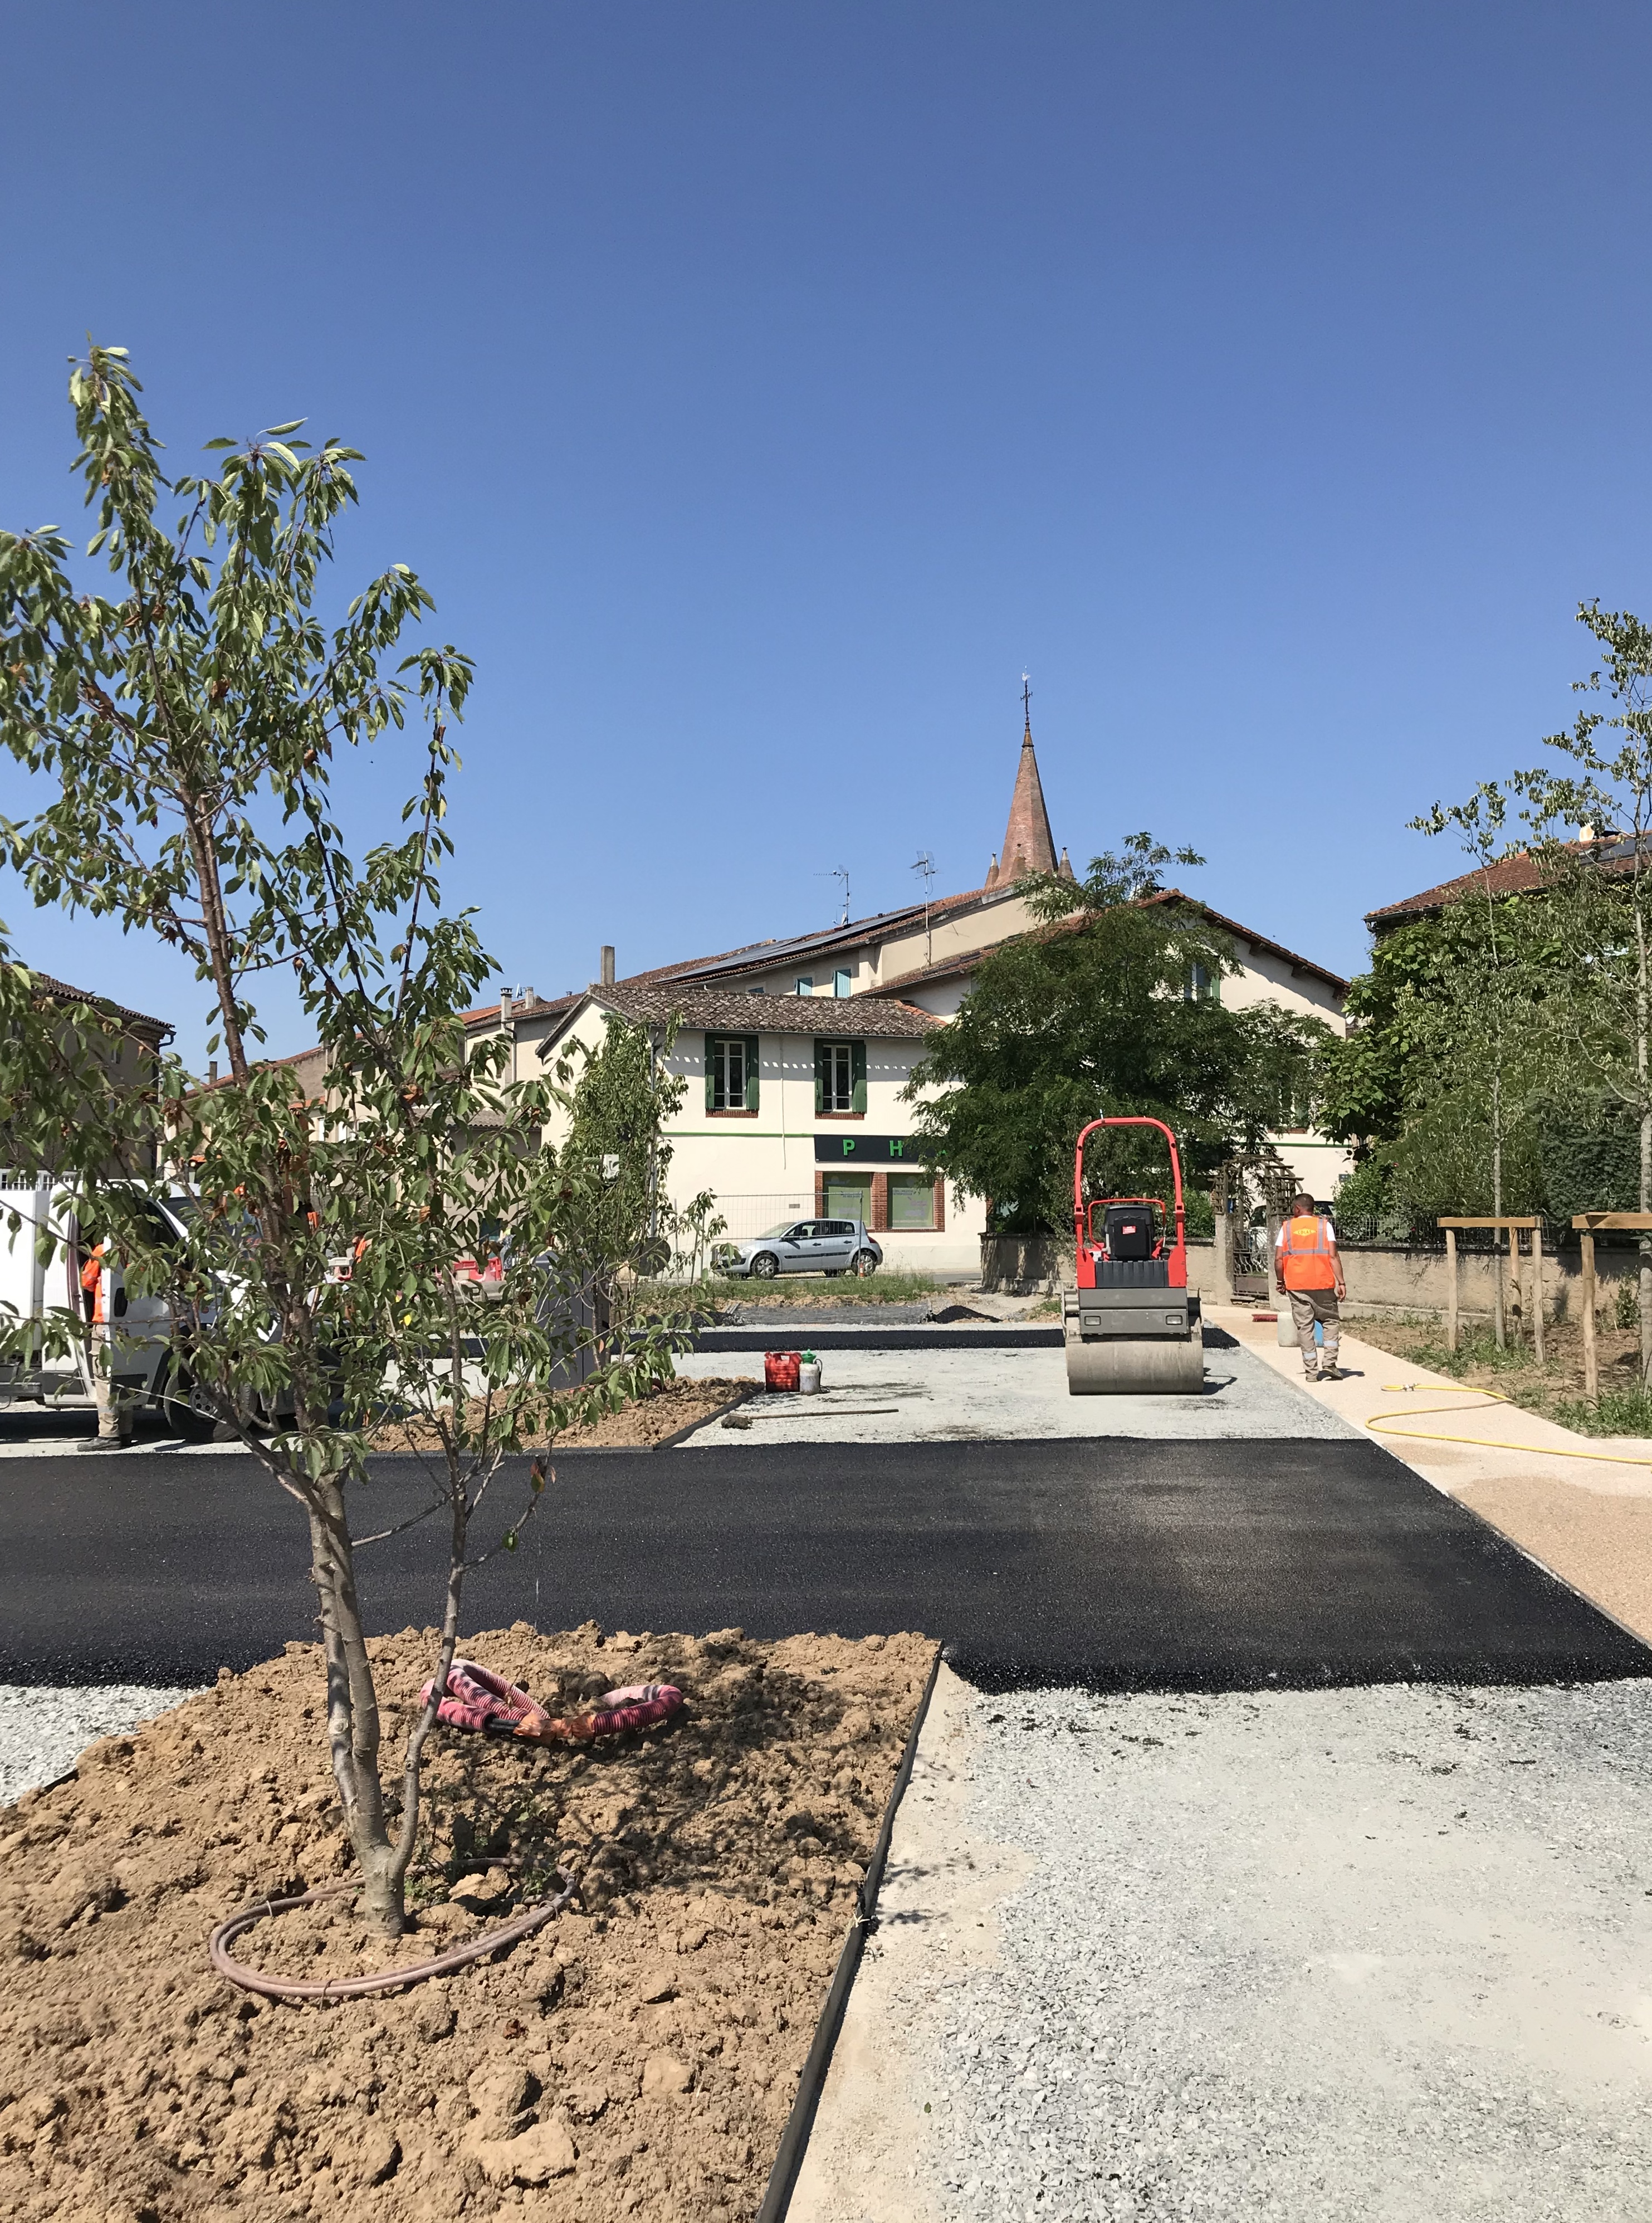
[(180, 1414)]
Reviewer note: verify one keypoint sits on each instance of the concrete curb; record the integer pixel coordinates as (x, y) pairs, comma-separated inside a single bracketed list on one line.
[(793, 2139)]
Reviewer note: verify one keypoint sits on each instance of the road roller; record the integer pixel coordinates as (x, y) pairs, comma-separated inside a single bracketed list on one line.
[(1130, 1326)]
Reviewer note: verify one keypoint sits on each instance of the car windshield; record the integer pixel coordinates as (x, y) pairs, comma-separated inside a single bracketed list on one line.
[(781, 1227)]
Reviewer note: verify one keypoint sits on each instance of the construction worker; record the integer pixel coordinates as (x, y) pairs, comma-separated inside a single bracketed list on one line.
[(1308, 1269), (114, 1408)]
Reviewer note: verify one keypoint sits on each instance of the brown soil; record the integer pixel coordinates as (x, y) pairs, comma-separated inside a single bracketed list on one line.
[(664, 1412), (637, 2057)]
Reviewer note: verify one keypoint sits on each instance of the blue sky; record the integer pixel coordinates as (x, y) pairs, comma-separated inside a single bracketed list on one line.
[(758, 389)]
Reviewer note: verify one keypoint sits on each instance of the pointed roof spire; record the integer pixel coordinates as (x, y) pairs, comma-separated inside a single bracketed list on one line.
[(1028, 844)]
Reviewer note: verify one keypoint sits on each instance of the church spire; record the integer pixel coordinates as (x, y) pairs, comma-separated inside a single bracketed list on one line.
[(1028, 844)]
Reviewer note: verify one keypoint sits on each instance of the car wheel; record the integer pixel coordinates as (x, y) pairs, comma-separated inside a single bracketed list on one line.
[(179, 1414), (765, 1265), (865, 1264)]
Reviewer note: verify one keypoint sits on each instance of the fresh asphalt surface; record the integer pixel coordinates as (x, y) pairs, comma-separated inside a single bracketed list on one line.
[(1111, 1563)]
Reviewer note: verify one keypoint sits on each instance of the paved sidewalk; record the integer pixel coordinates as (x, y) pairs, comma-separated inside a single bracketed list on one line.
[(1353, 1956)]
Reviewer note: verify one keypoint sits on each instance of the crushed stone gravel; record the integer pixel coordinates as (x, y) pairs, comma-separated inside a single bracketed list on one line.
[(1315, 1957), (44, 1732)]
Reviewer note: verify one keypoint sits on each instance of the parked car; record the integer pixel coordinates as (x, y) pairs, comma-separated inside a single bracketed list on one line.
[(803, 1246)]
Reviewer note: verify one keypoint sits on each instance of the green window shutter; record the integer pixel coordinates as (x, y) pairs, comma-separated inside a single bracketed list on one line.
[(752, 1072), (859, 1054), (711, 1080), (819, 1079)]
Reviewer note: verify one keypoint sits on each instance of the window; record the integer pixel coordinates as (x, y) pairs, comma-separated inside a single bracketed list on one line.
[(806, 984), (840, 982), (1203, 987), (849, 1196), (912, 1200), (839, 1077), (731, 1072)]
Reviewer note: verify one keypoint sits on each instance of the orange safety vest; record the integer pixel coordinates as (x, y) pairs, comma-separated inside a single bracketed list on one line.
[(91, 1279), (1305, 1254)]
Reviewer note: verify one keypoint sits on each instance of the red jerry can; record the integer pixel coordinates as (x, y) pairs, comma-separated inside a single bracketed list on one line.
[(780, 1369)]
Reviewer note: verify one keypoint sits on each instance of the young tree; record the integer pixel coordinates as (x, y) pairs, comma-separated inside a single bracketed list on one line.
[(186, 728), (1600, 886), (1112, 1005)]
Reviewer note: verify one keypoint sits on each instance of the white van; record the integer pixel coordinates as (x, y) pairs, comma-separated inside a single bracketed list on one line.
[(146, 1364)]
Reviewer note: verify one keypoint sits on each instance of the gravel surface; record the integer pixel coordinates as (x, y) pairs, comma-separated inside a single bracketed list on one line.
[(1011, 1395), (43, 1732), (1318, 1957)]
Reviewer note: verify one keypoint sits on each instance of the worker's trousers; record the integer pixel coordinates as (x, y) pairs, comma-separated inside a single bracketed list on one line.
[(1308, 1306), (114, 1406)]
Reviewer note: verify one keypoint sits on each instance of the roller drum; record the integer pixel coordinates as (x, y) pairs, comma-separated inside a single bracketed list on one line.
[(1133, 1366)]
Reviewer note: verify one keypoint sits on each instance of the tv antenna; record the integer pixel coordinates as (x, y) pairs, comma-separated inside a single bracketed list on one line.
[(926, 865), (839, 873)]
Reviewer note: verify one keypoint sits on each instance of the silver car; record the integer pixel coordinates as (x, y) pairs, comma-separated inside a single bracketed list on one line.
[(803, 1246)]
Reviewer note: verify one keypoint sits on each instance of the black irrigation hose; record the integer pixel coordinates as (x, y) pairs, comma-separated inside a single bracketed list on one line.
[(793, 2139), (390, 1980)]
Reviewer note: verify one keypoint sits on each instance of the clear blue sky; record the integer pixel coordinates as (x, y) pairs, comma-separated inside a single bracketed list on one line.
[(758, 388)]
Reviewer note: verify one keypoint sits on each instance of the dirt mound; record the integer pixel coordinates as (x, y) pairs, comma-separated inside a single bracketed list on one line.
[(635, 2058), (664, 1412)]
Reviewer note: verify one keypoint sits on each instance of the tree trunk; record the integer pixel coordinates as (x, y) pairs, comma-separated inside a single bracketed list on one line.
[(353, 1710)]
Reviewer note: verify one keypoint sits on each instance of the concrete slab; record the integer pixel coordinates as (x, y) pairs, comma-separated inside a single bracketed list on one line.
[(1315, 1957), (934, 1396)]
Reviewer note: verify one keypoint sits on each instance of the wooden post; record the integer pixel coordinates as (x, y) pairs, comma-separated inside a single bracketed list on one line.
[(1537, 1293), (1451, 1289), (1591, 1364)]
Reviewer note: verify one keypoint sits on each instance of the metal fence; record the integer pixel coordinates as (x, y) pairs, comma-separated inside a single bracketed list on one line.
[(746, 1216)]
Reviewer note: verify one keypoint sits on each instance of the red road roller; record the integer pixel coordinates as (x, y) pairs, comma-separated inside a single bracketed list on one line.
[(1130, 1326)]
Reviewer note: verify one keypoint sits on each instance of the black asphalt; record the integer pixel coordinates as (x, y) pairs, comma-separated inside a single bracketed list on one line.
[(1114, 1564)]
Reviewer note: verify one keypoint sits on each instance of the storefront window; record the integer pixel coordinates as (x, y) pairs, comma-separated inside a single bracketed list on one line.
[(849, 1196), (912, 1200)]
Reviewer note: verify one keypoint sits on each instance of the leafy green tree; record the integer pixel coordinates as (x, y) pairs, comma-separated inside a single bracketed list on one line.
[(1112, 1005), (1453, 1046), (1599, 888), (184, 728)]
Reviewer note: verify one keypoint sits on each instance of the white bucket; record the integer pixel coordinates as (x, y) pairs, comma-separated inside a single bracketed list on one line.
[(809, 1378)]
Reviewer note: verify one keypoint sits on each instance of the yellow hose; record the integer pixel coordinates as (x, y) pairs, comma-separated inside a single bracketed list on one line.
[(1382, 1424)]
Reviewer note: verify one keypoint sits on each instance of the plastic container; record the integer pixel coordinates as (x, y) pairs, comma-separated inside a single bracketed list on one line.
[(809, 1375), (780, 1368)]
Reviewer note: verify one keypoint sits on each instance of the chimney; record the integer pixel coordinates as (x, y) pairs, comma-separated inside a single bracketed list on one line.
[(212, 1071), (605, 969), (504, 1006)]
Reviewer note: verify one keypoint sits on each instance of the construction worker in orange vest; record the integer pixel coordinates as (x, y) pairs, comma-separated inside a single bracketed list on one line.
[(114, 1408), (1308, 1269)]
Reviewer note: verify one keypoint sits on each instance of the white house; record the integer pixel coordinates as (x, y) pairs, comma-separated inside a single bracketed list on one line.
[(797, 1050), (793, 1107)]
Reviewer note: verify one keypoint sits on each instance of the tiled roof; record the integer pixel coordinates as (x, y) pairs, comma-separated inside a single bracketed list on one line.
[(849, 1018), (952, 968), (530, 1007), (1515, 874), (63, 993)]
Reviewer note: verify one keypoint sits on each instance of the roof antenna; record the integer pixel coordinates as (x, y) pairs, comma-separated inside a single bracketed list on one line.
[(926, 865), (838, 873)]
